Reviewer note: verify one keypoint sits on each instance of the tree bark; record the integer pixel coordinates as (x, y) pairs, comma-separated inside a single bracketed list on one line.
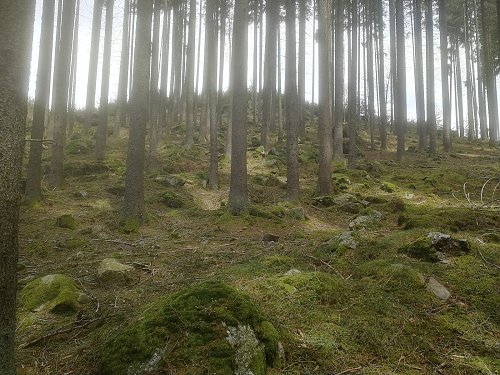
[(238, 192), (338, 126), (352, 88), (94, 56), (381, 74), (133, 202), (324, 127), (34, 175), (302, 67), (16, 33), (431, 96), (123, 79), (102, 125), (153, 89), (443, 38), (401, 104), (269, 102), (419, 77), (189, 139), (213, 180), (56, 178), (292, 146)]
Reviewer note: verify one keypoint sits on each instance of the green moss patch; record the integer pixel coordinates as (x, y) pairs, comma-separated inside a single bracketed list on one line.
[(57, 292), (189, 331), (172, 200), (66, 221)]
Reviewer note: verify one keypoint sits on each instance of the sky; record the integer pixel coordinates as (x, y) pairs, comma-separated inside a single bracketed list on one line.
[(85, 28)]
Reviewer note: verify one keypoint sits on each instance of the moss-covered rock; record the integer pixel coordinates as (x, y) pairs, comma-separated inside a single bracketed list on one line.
[(84, 168), (436, 247), (172, 200), (66, 221), (110, 270), (201, 328), (57, 293), (388, 187)]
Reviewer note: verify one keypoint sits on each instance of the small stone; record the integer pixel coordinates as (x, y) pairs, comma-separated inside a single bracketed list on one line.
[(83, 298), (268, 237), (366, 221), (293, 271), (80, 194), (344, 240), (170, 181), (111, 270), (438, 289)]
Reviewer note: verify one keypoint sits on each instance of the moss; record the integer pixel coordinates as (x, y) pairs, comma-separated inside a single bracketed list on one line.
[(66, 221), (388, 187), (266, 180), (172, 200), (131, 225), (421, 249), (84, 168), (191, 324), (58, 292), (341, 182), (268, 334)]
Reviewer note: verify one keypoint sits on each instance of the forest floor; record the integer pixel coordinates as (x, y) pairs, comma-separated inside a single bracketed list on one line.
[(338, 310)]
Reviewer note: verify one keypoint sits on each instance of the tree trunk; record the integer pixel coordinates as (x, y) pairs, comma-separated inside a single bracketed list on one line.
[(338, 126), (469, 80), (401, 104), (381, 74), (34, 175), (164, 68), (458, 81), (123, 79), (443, 38), (269, 102), (133, 202), (370, 77), (419, 77), (213, 180), (94, 56), (302, 67), (238, 193), (292, 146), (56, 177), (15, 56), (73, 74), (102, 125), (431, 96), (324, 127), (189, 139), (153, 90), (352, 88), (489, 74)]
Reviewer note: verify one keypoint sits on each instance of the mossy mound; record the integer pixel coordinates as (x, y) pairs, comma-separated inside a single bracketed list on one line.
[(199, 330), (172, 200), (436, 247), (66, 221), (84, 168), (57, 292)]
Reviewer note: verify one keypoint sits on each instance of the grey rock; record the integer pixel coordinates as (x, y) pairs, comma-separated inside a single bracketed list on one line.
[(170, 180), (436, 288), (111, 270), (366, 221), (344, 240), (293, 271), (247, 347)]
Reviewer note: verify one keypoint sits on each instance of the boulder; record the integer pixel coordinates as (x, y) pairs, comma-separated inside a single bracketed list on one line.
[(366, 221), (170, 180), (436, 288), (55, 293), (436, 247), (111, 270), (208, 328), (297, 213), (342, 241)]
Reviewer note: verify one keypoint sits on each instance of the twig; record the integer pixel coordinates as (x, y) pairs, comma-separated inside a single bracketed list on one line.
[(115, 241), (58, 332), (349, 370), (488, 262), (326, 264)]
